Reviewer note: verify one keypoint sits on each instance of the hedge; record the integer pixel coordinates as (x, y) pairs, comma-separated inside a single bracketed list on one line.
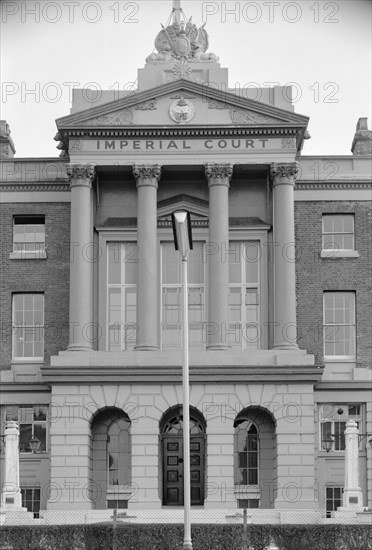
[(170, 537)]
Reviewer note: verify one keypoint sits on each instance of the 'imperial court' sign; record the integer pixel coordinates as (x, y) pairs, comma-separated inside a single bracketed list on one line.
[(183, 145)]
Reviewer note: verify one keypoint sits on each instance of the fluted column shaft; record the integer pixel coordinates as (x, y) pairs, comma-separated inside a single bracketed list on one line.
[(81, 257), (147, 177), (218, 176), (285, 326)]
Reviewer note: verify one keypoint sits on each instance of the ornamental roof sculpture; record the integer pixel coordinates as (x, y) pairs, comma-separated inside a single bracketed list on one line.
[(181, 40)]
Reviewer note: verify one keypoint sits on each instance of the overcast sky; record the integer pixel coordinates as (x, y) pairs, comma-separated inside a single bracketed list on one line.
[(323, 48)]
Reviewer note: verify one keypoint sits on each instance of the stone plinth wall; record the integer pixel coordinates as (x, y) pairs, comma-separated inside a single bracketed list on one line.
[(290, 406)]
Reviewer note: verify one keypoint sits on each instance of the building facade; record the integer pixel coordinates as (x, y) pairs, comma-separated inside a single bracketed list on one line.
[(279, 298)]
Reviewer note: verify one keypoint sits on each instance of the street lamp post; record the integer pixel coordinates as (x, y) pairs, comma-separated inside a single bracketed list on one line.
[(183, 243)]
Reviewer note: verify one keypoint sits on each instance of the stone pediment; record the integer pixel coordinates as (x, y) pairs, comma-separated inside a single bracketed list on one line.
[(181, 104), (198, 208)]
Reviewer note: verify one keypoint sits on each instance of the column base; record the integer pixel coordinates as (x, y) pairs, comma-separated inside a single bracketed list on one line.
[(286, 346), (146, 348), (11, 501), (218, 347), (352, 499), (79, 347)]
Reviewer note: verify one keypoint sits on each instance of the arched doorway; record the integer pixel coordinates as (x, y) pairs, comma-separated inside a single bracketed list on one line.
[(255, 458), (111, 457), (171, 437)]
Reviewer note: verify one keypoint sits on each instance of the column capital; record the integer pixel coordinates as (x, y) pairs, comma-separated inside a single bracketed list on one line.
[(284, 173), (218, 174), (80, 175), (147, 174)]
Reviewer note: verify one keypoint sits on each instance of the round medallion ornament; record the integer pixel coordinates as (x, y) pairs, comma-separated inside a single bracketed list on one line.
[(182, 111)]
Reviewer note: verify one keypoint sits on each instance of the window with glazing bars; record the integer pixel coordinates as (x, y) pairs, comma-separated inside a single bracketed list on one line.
[(122, 267), (171, 311), (244, 318)]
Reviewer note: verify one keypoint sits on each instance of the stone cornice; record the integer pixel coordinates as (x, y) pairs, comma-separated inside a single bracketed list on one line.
[(350, 385), (14, 187), (146, 132), (8, 387), (170, 374), (304, 185)]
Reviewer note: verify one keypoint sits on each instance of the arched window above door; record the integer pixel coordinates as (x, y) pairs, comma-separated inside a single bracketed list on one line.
[(174, 425)]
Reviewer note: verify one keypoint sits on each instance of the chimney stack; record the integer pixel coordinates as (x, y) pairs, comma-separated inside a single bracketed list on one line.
[(7, 148), (362, 142)]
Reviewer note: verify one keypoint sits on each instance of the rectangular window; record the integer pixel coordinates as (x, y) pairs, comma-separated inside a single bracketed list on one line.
[(32, 421), (333, 418), (333, 499), (119, 504), (339, 325), (31, 499), (28, 326), (172, 300), (338, 232), (122, 266), (28, 233), (248, 503), (244, 320)]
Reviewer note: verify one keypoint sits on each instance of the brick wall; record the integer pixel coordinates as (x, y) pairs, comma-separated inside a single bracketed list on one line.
[(50, 276), (316, 274)]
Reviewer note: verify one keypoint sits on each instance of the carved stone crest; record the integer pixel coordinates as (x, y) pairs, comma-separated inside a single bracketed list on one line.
[(181, 40), (182, 111)]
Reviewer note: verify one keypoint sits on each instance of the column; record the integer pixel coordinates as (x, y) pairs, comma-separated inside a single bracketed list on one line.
[(285, 327), (148, 315), (353, 496), (81, 257), (11, 499), (218, 176)]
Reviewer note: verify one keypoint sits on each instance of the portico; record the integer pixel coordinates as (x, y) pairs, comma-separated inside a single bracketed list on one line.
[(231, 162)]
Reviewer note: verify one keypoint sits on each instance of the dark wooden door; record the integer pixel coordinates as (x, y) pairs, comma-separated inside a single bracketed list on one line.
[(173, 470)]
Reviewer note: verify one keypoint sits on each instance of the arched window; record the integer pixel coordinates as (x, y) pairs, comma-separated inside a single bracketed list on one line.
[(247, 445), (111, 458), (118, 453)]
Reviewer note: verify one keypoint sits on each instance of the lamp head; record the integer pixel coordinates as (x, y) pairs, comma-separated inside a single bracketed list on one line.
[(328, 443), (181, 223), (34, 444)]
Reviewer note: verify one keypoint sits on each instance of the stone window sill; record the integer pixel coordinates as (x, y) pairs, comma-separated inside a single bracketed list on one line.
[(339, 359), (118, 490), (247, 490), (28, 255), (331, 254)]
